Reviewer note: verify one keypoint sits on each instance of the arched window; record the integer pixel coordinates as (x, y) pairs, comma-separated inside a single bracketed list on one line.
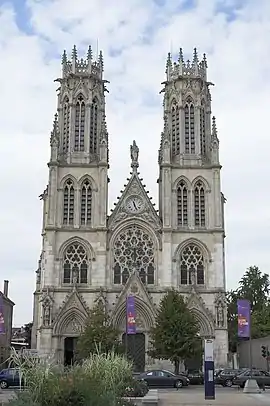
[(86, 203), (191, 266), (189, 127), (66, 125), (202, 129), (199, 204), (175, 129), (75, 264), (134, 250), (182, 204), (94, 126), (68, 203), (79, 124)]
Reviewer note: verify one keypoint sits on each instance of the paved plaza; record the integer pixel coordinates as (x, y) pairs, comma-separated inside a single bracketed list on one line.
[(194, 396)]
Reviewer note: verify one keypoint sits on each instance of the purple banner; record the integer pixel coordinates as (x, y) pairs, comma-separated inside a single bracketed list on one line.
[(131, 315), (2, 321), (243, 311)]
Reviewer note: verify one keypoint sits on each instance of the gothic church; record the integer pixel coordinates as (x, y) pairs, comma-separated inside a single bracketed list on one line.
[(89, 257)]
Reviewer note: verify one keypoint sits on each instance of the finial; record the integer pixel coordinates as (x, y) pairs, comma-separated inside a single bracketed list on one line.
[(181, 56), (74, 53), (195, 56), (100, 60), (204, 61), (64, 57), (134, 154), (89, 53), (214, 127), (169, 61)]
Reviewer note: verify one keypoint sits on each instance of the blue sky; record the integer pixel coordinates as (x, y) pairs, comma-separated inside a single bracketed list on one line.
[(135, 37)]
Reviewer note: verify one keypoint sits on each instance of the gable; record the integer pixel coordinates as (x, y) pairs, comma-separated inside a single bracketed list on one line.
[(134, 194), (73, 302)]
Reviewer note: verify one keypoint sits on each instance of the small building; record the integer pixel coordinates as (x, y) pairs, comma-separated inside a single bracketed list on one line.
[(5, 338)]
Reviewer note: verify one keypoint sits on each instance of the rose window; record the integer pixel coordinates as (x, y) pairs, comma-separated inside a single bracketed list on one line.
[(192, 266), (134, 250)]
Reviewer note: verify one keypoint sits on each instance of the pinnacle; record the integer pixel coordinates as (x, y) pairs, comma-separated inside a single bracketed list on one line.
[(214, 126)]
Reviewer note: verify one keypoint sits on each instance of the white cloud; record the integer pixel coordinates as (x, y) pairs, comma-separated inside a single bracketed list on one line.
[(144, 32)]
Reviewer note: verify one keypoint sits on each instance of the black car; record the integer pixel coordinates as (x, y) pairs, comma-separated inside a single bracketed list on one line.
[(163, 379), (226, 377), (262, 378), (195, 377)]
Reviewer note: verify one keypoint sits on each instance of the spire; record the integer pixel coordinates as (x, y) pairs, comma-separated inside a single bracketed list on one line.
[(169, 66), (195, 61), (89, 59), (64, 62), (74, 57), (54, 134), (134, 154)]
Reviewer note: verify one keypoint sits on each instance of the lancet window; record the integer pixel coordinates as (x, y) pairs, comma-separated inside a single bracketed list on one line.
[(199, 204), (86, 203), (202, 129), (175, 115), (182, 204), (189, 115), (68, 203), (94, 126), (79, 124), (66, 125)]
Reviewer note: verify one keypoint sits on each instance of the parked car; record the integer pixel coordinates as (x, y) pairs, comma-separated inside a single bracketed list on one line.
[(225, 377), (262, 378), (9, 377), (195, 377), (162, 378)]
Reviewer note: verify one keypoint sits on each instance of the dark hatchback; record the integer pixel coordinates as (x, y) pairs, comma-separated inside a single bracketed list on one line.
[(226, 377), (9, 377), (195, 377), (163, 379), (262, 378)]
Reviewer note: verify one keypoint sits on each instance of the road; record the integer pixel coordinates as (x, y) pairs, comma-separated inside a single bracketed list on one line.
[(194, 396)]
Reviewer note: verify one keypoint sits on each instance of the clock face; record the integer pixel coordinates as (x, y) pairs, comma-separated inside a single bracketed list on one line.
[(134, 204)]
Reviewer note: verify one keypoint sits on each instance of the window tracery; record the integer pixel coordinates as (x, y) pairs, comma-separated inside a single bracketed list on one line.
[(191, 266), (182, 204), (199, 204), (94, 126), (175, 129), (66, 125), (189, 115), (134, 249), (75, 264), (79, 124), (68, 203), (86, 203), (202, 129)]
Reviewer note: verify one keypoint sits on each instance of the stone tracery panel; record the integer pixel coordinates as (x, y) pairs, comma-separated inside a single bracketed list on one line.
[(134, 249), (191, 265)]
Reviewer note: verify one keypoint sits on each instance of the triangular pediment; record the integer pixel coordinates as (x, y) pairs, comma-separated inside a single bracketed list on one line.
[(134, 203), (135, 287), (73, 302)]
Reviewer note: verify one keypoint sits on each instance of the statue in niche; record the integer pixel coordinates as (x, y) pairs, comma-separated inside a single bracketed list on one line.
[(192, 276), (134, 154), (46, 314), (220, 315)]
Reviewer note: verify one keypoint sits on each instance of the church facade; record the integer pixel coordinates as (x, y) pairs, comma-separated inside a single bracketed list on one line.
[(89, 257)]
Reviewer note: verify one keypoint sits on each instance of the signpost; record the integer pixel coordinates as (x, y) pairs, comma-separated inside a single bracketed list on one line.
[(209, 368)]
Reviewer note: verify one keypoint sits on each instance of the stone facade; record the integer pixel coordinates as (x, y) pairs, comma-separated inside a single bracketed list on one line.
[(5, 338), (88, 256)]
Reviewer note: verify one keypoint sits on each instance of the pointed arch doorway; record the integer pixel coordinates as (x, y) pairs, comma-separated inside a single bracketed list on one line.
[(135, 349), (70, 350)]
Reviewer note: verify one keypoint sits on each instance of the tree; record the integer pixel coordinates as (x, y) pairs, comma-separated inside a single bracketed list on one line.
[(99, 335), (175, 334), (255, 287)]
